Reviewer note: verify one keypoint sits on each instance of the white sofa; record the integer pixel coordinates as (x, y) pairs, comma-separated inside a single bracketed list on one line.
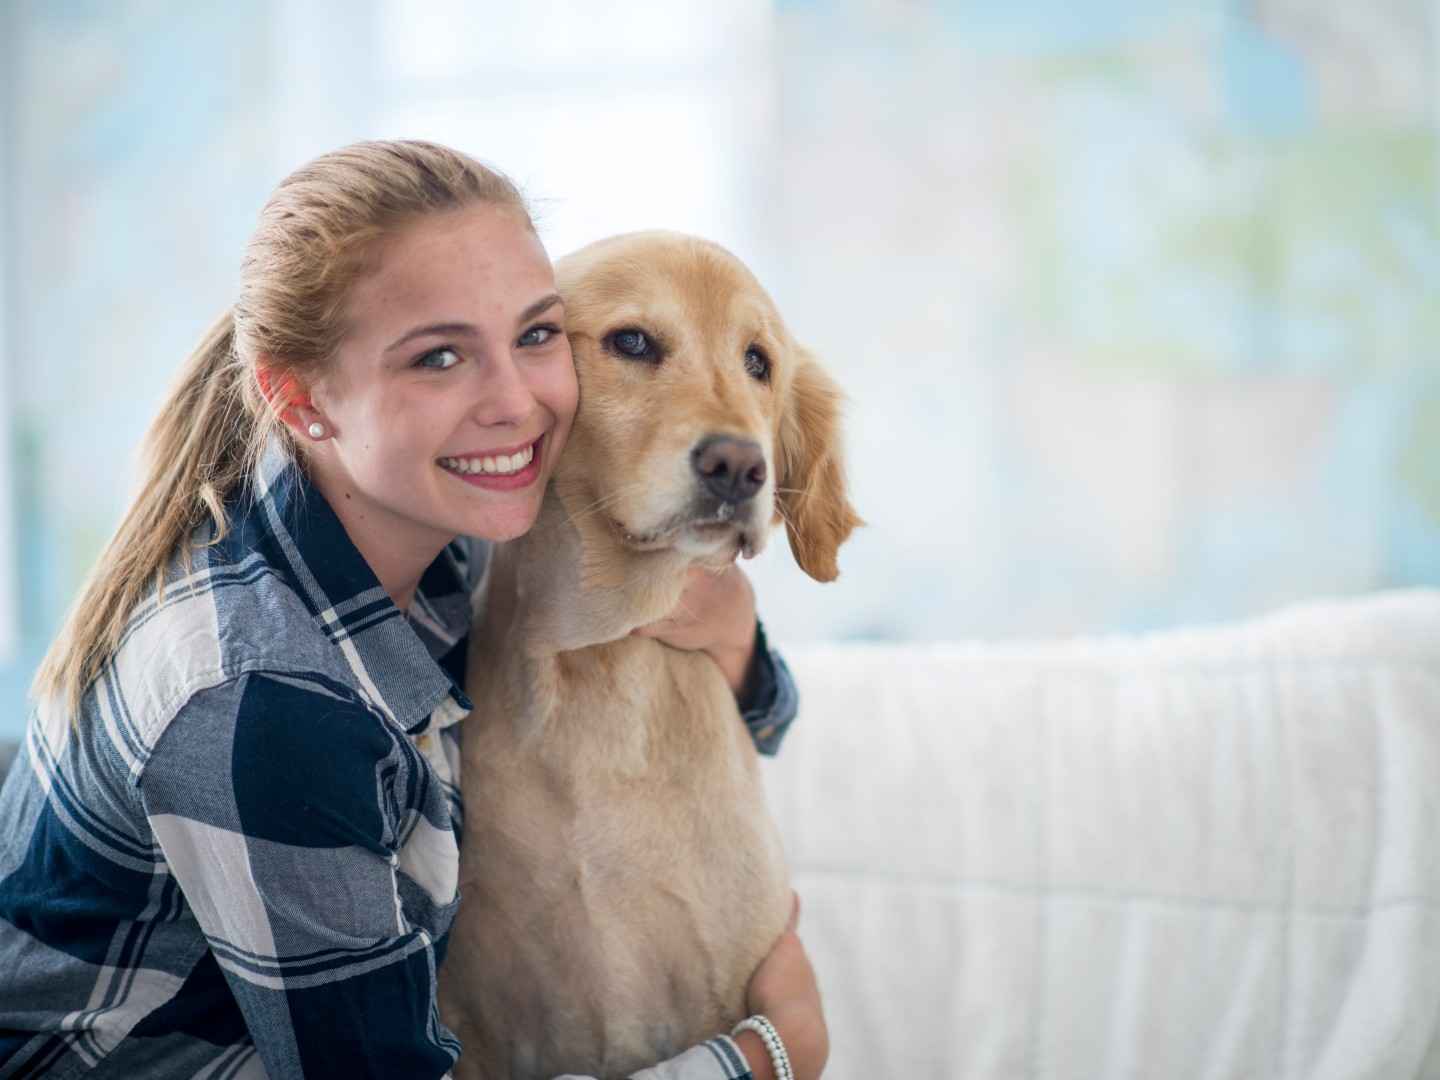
[(1203, 853)]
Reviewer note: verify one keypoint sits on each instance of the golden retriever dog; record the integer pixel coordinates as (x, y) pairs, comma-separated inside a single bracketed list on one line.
[(620, 876)]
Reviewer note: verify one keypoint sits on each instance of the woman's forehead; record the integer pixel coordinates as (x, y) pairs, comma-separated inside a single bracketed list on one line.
[(466, 264)]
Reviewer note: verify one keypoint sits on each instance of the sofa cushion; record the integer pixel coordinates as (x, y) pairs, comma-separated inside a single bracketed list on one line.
[(1210, 853)]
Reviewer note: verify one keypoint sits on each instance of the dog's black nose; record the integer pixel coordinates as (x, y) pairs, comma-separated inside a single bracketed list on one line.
[(731, 469)]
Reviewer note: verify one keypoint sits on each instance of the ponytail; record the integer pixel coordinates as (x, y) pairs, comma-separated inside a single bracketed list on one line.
[(197, 452)]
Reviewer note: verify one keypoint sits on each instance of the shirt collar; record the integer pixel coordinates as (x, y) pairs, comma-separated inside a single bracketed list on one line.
[(396, 659)]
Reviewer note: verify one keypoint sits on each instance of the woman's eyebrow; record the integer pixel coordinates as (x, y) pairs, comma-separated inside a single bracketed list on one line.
[(447, 329), (464, 329), (547, 301)]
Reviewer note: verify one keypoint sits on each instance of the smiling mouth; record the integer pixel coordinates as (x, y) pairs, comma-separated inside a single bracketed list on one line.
[(512, 470), (491, 464)]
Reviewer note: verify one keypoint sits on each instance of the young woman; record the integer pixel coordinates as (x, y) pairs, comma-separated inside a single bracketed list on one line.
[(230, 841)]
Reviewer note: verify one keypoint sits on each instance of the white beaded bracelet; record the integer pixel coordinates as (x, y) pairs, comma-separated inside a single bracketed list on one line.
[(779, 1059)]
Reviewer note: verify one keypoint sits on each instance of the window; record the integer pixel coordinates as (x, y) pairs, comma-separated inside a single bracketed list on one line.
[(610, 117), (9, 606)]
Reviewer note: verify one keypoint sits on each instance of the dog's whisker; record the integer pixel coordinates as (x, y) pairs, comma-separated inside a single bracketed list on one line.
[(598, 505), (604, 500)]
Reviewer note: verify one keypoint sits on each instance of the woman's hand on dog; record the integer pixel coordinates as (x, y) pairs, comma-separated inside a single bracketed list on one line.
[(715, 615), (784, 990)]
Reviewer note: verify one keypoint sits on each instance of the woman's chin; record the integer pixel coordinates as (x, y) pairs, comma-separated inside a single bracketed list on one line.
[(502, 523)]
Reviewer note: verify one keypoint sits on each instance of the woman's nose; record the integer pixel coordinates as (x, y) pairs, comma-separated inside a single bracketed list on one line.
[(502, 395)]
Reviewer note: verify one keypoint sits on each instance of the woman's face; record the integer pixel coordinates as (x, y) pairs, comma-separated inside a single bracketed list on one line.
[(452, 393)]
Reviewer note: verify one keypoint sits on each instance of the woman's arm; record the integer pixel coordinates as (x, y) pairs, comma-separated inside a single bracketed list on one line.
[(716, 615), (784, 990), (275, 802)]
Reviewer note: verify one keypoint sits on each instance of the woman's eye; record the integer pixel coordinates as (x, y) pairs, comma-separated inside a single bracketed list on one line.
[(757, 364), (439, 359), (633, 343), (538, 335)]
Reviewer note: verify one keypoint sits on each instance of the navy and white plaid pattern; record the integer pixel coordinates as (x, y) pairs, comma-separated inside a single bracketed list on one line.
[(240, 859)]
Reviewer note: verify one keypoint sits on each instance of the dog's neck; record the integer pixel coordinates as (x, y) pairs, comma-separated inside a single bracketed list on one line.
[(570, 582)]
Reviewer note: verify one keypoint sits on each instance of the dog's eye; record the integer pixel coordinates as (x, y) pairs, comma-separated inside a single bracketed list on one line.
[(757, 364), (635, 344)]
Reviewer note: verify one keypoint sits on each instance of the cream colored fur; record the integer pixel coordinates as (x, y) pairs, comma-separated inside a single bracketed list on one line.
[(620, 876)]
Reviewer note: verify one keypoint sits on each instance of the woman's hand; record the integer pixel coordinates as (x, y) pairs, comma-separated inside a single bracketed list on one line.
[(783, 989), (716, 615)]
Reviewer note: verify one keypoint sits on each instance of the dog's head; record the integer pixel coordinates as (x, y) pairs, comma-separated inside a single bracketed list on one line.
[(702, 422)]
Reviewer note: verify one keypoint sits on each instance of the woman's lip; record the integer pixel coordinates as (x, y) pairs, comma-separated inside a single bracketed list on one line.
[(507, 481), (497, 451)]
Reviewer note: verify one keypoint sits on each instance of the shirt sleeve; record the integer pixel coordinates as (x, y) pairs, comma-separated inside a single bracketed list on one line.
[(715, 1059), (276, 802), (769, 700)]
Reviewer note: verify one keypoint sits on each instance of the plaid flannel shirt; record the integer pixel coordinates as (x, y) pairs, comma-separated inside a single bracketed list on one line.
[(240, 859)]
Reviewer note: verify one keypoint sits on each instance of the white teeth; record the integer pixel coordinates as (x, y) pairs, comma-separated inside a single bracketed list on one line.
[(494, 466)]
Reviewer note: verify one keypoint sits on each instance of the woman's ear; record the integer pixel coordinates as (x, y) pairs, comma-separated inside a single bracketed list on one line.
[(811, 494), (287, 396)]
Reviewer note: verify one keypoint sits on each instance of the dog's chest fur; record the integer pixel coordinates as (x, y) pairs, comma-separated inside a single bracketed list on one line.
[(620, 876)]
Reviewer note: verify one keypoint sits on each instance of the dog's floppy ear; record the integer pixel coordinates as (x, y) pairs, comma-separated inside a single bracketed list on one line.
[(811, 489)]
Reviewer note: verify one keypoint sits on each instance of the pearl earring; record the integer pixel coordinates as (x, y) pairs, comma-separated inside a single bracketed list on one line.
[(317, 430)]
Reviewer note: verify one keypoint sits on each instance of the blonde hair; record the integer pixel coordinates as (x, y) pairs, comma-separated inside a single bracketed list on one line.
[(316, 236)]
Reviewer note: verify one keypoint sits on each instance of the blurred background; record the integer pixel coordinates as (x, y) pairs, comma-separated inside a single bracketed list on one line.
[(1136, 302)]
